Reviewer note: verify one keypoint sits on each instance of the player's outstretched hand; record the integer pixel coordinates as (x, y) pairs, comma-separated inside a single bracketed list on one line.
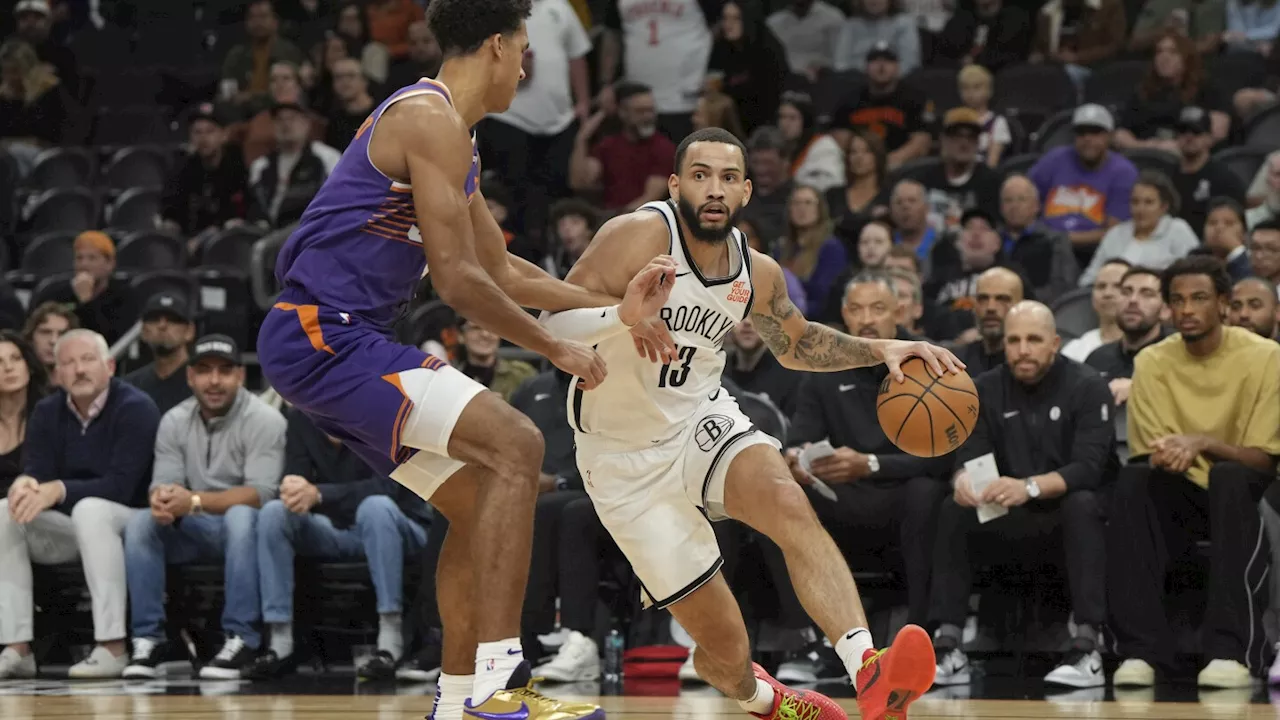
[(939, 359), (653, 340), (648, 290), (580, 361)]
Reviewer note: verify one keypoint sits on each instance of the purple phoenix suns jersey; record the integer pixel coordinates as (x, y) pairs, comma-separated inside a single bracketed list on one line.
[(357, 248)]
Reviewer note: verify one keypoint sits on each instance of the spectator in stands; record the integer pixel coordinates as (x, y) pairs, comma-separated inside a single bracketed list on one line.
[(994, 137), (906, 285), (817, 160), (1204, 431), (1264, 250), (808, 31), (530, 144), (864, 187), (389, 22), (960, 183), (1252, 26), (1086, 187), (1201, 178), (218, 458), (374, 57), (423, 61), (887, 107), (747, 63), (1078, 34), (904, 259), (995, 291), (874, 243), (102, 304), (282, 183), (808, 248), (1140, 322), (1175, 81), (877, 25), (715, 109), (352, 105), (884, 497), (34, 23), (991, 35), (246, 71), (1202, 21), (1269, 208), (573, 223), (1105, 298), (771, 186), (795, 289), (167, 330), (88, 454), (1224, 236), (34, 106), (628, 168), (1043, 254), (333, 507), (1046, 421), (1253, 306), (258, 135), (755, 370), (1154, 237), (909, 213), (44, 326), (23, 382), (482, 363), (207, 192)]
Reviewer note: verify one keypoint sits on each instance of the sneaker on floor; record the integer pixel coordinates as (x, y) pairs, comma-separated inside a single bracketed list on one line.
[(520, 701), (380, 666), (15, 666), (424, 666), (1224, 674), (554, 640), (1079, 669), (577, 661), (100, 664), (234, 658), (953, 669), (790, 703), (893, 678), (688, 673), (269, 666), (147, 657), (815, 664), (1134, 673)]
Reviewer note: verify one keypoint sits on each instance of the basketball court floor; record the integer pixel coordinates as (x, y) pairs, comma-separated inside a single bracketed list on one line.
[(342, 698)]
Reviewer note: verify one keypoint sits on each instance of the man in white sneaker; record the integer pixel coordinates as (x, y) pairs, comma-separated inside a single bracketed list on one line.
[(1047, 421), (87, 463)]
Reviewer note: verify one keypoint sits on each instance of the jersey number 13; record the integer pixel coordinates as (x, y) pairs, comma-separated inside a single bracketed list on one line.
[(675, 378)]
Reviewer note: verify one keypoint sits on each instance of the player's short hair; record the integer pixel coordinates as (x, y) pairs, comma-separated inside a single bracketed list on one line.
[(462, 26), (1207, 265), (1135, 270), (711, 134), (1270, 224)]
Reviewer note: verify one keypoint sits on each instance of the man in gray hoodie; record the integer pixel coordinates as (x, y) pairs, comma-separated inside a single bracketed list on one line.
[(218, 458)]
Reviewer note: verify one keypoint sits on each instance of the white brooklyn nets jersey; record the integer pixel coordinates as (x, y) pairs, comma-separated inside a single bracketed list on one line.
[(666, 45), (643, 402)]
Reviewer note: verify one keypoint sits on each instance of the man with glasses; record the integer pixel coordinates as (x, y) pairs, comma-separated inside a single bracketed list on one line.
[(1264, 250)]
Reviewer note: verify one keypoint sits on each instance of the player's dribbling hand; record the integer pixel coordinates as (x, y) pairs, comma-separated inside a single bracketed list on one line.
[(580, 361), (939, 359)]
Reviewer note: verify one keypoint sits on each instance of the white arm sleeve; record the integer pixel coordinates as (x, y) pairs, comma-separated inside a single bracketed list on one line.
[(586, 325)]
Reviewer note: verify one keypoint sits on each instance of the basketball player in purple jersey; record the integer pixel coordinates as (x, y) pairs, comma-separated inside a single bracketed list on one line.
[(409, 182)]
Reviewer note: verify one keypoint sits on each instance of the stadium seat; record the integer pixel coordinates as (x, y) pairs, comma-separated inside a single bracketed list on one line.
[(262, 268), (50, 253), (939, 86), (911, 169), (429, 321), (1074, 312), (1152, 159), (231, 248), (1114, 84), (1263, 129), (1040, 89), (226, 302), (764, 414), (177, 282), (1019, 140), (68, 209), (1054, 132), (1231, 72), (49, 288), (62, 167), (136, 167), (1243, 161), (834, 89), (124, 87), (1018, 164), (135, 209), (151, 250), (133, 126)]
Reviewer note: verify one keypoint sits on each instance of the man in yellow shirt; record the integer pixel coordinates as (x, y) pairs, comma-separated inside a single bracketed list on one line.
[(1204, 433)]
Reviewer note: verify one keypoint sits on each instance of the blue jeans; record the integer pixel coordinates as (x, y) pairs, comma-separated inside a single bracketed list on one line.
[(149, 547), (382, 534)]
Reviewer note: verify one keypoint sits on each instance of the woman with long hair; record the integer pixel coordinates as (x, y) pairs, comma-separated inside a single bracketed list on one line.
[(351, 27), (1153, 237), (1174, 81), (816, 158), (747, 63), (865, 165), (715, 109), (23, 381), (34, 108), (810, 249)]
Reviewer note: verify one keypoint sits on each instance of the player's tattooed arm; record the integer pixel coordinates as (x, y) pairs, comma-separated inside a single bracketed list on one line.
[(798, 343)]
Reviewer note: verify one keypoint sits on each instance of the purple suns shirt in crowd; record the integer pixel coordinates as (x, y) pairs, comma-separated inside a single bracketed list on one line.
[(1077, 199), (357, 248)]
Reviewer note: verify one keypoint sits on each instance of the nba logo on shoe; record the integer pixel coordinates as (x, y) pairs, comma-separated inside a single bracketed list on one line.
[(710, 430)]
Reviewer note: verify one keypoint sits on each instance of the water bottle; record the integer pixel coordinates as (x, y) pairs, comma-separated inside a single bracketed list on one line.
[(614, 645)]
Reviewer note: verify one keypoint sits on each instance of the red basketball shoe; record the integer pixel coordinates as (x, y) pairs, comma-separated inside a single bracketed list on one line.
[(893, 678), (790, 704)]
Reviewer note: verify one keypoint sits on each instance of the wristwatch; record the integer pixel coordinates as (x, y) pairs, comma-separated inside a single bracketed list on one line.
[(196, 507), (873, 463), (1033, 488)]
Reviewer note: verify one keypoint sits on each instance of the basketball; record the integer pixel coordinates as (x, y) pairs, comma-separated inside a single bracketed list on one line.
[(926, 415)]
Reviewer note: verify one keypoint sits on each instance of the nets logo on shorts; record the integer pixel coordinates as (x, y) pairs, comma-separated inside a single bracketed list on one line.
[(710, 430)]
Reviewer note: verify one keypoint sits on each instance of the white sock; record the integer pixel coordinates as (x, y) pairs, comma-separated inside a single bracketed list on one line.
[(762, 702), (390, 635), (282, 639), (495, 661), (451, 692), (851, 647)]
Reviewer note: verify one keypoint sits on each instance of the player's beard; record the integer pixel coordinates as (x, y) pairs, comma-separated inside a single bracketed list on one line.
[(707, 233)]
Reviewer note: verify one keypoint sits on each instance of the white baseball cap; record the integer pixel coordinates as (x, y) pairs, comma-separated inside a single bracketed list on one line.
[(1094, 116)]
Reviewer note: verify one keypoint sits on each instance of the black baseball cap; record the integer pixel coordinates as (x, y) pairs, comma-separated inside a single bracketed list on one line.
[(165, 304), (1195, 120), (977, 212), (882, 51), (216, 346), (209, 112)]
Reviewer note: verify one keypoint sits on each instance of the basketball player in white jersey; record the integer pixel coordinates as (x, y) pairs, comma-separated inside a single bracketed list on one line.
[(663, 448)]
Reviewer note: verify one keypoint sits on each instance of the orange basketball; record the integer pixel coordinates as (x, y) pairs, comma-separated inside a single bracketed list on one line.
[(926, 415)]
